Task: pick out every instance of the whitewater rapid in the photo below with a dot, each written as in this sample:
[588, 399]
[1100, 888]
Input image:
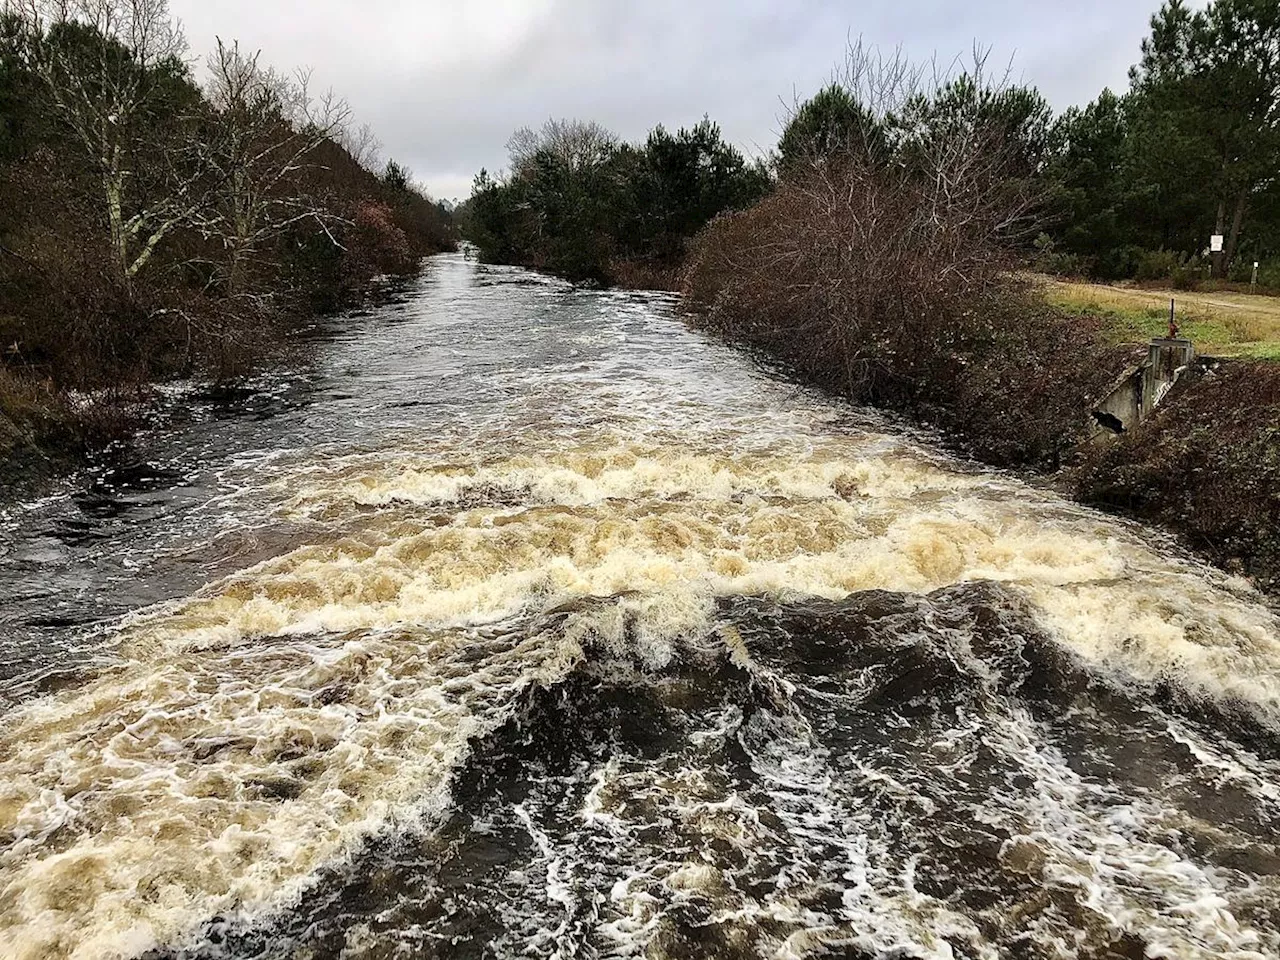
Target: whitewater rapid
[538, 625]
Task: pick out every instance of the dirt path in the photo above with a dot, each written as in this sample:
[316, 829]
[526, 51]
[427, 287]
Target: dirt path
[1266, 306]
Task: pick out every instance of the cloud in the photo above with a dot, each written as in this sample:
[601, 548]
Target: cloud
[445, 82]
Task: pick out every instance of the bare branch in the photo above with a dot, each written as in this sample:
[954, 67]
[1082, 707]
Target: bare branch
[576, 143]
[363, 145]
[269, 127]
[104, 64]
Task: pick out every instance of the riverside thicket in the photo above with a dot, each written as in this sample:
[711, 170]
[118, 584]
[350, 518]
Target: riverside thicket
[157, 219]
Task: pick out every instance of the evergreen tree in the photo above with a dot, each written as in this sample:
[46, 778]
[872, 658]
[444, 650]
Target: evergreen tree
[833, 121]
[1209, 89]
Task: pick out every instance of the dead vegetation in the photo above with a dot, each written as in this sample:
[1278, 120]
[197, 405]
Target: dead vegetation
[882, 267]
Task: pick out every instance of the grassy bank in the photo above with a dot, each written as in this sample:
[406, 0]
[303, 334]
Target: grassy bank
[1222, 324]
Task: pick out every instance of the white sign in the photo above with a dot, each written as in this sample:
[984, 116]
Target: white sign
[1215, 243]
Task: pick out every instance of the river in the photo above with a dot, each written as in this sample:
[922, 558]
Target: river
[520, 620]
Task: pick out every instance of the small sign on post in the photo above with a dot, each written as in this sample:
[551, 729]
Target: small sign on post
[1216, 243]
[1254, 282]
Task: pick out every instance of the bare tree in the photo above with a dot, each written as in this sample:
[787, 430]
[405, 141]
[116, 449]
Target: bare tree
[576, 143]
[363, 145]
[106, 64]
[269, 126]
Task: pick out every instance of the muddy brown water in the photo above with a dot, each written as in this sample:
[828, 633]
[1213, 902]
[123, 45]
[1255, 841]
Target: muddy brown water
[525, 622]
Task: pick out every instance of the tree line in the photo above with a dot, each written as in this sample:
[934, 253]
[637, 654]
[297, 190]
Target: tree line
[1143, 178]
[579, 202]
[159, 216]
[1132, 185]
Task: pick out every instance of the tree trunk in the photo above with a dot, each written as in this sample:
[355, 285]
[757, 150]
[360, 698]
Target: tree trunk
[1233, 239]
[236, 267]
[241, 206]
[1220, 226]
[114, 187]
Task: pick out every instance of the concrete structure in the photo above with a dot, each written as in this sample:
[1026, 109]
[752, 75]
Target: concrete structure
[1141, 388]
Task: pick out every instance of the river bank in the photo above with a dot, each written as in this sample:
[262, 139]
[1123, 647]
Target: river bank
[39, 433]
[118, 277]
[516, 592]
[1205, 466]
[64, 396]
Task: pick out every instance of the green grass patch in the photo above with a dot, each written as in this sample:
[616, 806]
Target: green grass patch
[1260, 351]
[1140, 323]
[1213, 336]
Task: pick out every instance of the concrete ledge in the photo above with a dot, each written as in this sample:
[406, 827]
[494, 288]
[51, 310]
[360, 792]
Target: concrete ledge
[1141, 388]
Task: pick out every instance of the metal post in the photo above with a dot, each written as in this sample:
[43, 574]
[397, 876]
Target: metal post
[1253, 284]
[1173, 320]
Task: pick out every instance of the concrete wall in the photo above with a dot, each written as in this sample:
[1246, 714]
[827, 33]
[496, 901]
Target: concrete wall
[1140, 390]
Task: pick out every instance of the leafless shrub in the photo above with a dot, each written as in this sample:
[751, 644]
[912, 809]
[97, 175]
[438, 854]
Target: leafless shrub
[859, 273]
[863, 264]
[637, 274]
[576, 143]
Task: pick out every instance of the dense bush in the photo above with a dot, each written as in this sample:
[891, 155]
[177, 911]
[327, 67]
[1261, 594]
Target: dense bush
[1167, 267]
[1047, 258]
[1268, 274]
[1159, 264]
[1187, 277]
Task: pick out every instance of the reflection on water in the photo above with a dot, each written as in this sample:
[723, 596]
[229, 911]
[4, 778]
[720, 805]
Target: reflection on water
[525, 622]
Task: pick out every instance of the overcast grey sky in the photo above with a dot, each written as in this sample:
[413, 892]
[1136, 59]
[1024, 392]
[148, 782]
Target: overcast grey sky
[445, 82]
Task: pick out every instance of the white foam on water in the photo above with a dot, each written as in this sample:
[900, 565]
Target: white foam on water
[1068, 835]
[684, 528]
[263, 728]
[192, 785]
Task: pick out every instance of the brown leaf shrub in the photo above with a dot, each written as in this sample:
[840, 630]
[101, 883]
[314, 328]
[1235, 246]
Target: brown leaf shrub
[377, 242]
[635, 274]
[867, 271]
[895, 289]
